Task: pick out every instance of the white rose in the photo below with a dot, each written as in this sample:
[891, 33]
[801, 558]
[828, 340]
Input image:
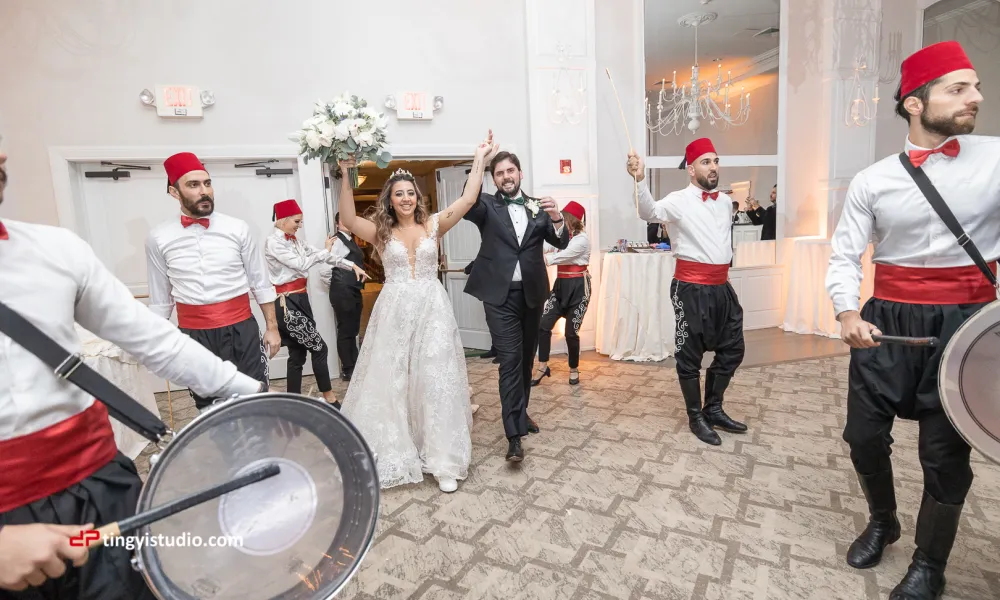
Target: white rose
[325, 129]
[366, 138]
[341, 131]
[326, 140]
[342, 109]
[354, 125]
[312, 138]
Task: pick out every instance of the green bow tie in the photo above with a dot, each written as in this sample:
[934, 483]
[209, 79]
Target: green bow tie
[519, 200]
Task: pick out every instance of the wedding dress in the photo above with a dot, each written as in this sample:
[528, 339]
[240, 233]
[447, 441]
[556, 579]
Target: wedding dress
[409, 395]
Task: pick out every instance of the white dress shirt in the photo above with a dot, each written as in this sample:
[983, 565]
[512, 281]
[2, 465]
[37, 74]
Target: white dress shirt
[886, 207]
[53, 278]
[576, 253]
[198, 266]
[700, 230]
[288, 260]
[519, 217]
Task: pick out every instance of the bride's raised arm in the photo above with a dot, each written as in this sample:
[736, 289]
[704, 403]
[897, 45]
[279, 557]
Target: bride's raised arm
[450, 216]
[359, 226]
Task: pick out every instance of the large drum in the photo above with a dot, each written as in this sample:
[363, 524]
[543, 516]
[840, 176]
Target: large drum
[299, 535]
[969, 381]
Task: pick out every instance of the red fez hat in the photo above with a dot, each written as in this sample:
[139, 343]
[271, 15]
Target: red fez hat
[575, 209]
[927, 64]
[179, 165]
[697, 148]
[286, 208]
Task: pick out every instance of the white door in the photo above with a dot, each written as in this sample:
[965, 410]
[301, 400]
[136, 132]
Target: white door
[117, 216]
[460, 246]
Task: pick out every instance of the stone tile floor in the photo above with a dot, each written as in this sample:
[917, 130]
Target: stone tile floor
[617, 500]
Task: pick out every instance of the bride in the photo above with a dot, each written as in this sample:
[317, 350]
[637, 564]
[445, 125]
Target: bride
[409, 395]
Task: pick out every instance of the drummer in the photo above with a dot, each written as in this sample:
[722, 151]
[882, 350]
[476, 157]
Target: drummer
[58, 458]
[207, 263]
[288, 261]
[925, 285]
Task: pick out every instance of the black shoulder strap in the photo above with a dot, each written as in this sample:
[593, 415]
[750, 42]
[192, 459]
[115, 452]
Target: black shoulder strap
[937, 202]
[72, 368]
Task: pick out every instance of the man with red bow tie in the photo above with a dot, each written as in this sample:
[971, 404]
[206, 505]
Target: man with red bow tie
[925, 285]
[707, 312]
[206, 263]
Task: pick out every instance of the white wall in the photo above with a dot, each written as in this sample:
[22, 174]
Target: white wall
[890, 130]
[619, 33]
[73, 69]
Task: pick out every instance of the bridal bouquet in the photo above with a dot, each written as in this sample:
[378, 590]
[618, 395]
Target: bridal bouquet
[343, 128]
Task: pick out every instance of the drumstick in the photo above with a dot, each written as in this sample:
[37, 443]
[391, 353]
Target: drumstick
[170, 405]
[173, 507]
[631, 148]
[908, 341]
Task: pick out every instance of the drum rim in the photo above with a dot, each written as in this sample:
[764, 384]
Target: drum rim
[323, 405]
[952, 354]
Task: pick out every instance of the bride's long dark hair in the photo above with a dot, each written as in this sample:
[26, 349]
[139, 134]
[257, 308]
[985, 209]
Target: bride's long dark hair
[384, 215]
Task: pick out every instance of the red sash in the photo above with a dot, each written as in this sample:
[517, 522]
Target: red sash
[701, 273]
[214, 316]
[295, 286]
[571, 271]
[49, 461]
[920, 285]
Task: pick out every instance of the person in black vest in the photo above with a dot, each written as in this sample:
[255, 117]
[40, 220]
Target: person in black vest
[766, 217]
[510, 277]
[345, 298]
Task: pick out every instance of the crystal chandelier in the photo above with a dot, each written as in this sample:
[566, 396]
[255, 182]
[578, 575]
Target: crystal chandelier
[688, 106]
[859, 111]
[563, 106]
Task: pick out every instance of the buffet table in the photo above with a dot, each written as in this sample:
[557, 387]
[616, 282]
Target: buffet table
[122, 370]
[635, 318]
[808, 309]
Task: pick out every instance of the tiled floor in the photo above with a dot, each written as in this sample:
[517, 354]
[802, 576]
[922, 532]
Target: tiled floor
[617, 500]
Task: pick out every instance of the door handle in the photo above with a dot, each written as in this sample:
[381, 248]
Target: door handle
[453, 270]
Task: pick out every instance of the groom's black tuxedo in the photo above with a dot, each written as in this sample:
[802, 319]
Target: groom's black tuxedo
[494, 266]
[513, 309]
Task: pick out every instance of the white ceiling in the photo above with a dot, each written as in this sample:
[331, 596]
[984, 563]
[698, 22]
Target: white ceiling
[729, 37]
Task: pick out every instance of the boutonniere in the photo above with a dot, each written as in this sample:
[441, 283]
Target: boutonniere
[533, 206]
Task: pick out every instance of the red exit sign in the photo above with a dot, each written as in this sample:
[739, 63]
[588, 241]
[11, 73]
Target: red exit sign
[178, 101]
[413, 106]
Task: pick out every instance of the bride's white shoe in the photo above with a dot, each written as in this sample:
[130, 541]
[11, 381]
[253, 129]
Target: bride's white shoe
[447, 485]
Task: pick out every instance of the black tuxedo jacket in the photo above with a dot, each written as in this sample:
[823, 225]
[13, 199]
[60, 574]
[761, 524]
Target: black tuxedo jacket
[499, 252]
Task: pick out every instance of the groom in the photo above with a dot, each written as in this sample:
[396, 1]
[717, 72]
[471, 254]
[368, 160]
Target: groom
[510, 278]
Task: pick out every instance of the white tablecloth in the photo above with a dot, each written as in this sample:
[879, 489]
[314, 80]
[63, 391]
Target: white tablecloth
[122, 370]
[635, 318]
[754, 254]
[809, 309]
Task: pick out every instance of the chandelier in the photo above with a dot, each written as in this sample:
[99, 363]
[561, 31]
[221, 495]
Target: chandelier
[699, 100]
[567, 107]
[860, 109]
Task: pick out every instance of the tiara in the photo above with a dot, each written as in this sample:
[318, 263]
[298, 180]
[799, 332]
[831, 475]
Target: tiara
[402, 173]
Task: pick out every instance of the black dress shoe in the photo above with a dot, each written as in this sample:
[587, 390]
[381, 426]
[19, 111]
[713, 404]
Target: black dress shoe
[937, 526]
[496, 360]
[345, 377]
[539, 375]
[532, 426]
[703, 431]
[883, 525]
[515, 453]
[491, 354]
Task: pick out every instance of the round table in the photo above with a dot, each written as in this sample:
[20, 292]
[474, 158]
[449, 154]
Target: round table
[635, 318]
[125, 372]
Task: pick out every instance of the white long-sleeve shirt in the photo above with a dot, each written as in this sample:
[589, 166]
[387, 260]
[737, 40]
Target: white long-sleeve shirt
[576, 253]
[886, 207]
[52, 278]
[700, 230]
[291, 259]
[198, 266]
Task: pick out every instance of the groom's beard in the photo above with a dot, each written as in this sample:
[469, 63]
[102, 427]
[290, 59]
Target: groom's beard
[514, 186]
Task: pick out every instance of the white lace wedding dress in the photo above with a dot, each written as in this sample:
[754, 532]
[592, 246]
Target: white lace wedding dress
[409, 394]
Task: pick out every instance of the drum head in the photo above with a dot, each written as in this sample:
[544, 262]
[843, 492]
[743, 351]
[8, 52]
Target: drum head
[298, 535]
[969, 381]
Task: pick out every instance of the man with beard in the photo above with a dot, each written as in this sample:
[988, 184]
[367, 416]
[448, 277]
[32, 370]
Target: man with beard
[707, 312]
[925, 285]
[59, 464]
[207, 263]
[766, 217]
[510, 277]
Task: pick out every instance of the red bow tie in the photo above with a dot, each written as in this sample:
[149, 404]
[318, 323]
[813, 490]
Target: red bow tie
[950, 148]
[706, 195]
[3, 232]
[187, 221]
[289, 236]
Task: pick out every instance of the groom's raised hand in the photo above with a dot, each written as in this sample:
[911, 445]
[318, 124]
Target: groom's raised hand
[549, 205]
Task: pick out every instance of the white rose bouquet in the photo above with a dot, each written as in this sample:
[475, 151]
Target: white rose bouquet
[343, 128]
